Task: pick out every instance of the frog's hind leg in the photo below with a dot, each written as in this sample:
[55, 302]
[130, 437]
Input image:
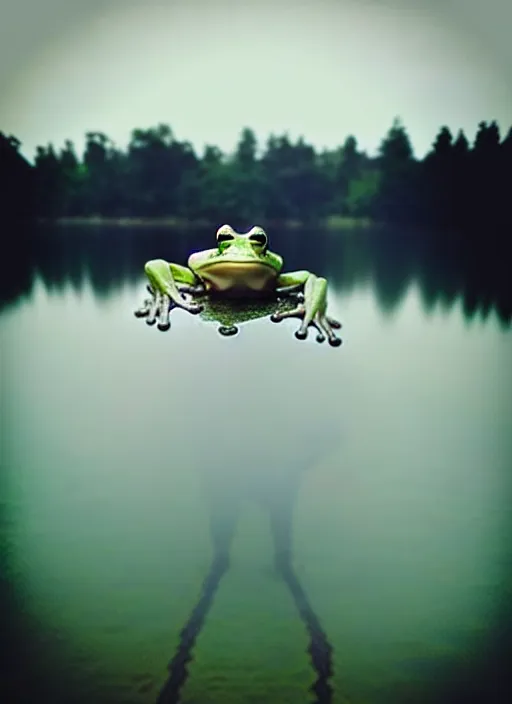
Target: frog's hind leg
[165, 277]
[313, 310]
[168, 283]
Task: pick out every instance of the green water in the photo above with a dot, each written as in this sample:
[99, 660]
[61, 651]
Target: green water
[387, 463]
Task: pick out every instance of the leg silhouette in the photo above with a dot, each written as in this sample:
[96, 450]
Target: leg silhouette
[279, 500]
[223, 516]
[280, 505]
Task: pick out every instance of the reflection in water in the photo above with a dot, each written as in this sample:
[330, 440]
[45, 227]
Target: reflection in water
[278, 500]
[17, 268]
[445, 271]
[390, 260]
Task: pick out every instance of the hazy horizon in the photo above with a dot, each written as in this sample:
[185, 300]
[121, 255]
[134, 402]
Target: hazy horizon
[211, 67]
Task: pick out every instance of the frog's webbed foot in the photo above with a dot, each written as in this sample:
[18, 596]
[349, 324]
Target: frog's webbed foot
[159, 306]
[323, 324]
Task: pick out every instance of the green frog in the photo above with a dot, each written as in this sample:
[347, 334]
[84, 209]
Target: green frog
[243, 269]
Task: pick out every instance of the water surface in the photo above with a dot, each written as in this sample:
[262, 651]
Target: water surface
[348, 508]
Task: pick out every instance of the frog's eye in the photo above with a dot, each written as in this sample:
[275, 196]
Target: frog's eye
[225, 234]
[259, 237]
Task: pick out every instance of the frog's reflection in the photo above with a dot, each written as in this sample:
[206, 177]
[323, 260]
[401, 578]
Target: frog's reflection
[278, 499]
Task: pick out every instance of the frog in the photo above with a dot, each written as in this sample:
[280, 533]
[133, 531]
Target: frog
[241, 268]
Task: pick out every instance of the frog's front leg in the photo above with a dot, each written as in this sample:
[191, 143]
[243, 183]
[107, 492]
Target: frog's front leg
[314, 309]
[167, 282]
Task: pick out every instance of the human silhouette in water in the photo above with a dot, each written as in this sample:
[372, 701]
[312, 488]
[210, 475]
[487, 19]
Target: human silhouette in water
[278, 499]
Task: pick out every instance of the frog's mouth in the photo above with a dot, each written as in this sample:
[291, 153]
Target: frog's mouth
[245, 274]
[235, 261]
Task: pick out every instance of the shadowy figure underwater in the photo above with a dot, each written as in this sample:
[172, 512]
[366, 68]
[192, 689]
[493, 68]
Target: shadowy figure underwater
[275, 487]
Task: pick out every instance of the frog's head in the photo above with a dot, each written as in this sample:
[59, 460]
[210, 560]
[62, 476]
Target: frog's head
[239, 261]
[251, 244]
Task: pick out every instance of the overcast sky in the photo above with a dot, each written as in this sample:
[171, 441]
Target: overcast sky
[319, 68]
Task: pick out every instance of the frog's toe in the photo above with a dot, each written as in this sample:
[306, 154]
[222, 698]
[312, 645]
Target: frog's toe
[164, 322]
[189, 305]
[143, 310]
[325, 328]
[333, 323]
[321, 330]
[334, 340]
[164, 309]
[279, 315]
[228, 330]
[156, 308]
[195, 308]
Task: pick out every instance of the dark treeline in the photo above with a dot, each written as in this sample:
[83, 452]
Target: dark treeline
[17, 179]
[457, 185]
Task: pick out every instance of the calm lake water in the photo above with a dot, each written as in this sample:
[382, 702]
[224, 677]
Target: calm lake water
[155, 484]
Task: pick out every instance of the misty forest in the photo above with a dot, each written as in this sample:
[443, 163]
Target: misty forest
[460, 185]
